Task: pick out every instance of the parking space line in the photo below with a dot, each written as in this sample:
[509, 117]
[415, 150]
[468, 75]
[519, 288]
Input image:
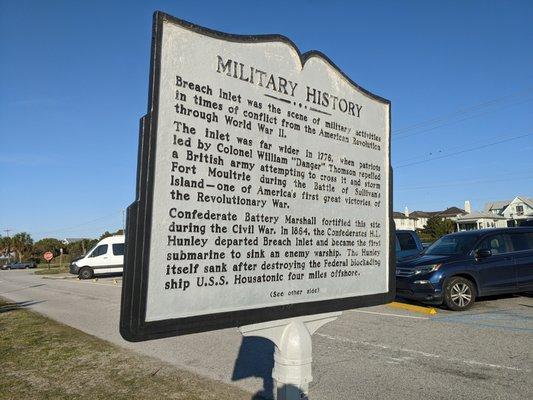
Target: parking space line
[413, 308]
[98, 283]
[419, 353]
[388, 314]
[499, 319]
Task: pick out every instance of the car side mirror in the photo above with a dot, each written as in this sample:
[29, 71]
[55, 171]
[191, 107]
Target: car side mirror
[483, 253]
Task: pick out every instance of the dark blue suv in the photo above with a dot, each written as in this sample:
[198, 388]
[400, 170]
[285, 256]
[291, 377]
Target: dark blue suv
[461, 266]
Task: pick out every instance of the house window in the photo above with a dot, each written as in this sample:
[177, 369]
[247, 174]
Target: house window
[520, 210]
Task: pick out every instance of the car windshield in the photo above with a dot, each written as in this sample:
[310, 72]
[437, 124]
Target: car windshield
[451, 244]
[90, 251]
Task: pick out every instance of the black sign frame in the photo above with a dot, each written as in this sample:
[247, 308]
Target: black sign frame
[133, 324]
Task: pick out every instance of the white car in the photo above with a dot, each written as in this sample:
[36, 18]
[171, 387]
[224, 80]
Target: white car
[106, 257]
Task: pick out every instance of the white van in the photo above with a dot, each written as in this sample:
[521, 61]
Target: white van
[107, 257]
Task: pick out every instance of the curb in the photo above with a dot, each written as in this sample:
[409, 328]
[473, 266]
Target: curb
[413, 308]
[57, 277]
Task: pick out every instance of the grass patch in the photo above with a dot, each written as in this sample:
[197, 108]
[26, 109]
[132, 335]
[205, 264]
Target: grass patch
[54, 269]
[43, 359]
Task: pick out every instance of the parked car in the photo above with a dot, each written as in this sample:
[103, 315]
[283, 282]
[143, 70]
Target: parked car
[19, 265]
[462, 266]
[408, 245]
[527, 222]
[106, 257]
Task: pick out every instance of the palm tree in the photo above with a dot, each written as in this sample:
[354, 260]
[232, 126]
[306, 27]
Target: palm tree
[5, 246]
[22, 243]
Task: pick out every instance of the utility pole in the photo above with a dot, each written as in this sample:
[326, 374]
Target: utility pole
[7, 230]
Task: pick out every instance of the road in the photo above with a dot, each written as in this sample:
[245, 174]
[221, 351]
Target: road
[371, 353]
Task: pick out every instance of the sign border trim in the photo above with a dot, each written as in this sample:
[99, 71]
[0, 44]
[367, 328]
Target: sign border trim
[133, 325]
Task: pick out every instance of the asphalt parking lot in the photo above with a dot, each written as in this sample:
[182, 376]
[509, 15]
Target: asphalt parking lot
[376, 352]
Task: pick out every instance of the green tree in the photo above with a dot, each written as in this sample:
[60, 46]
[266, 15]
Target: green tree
[437, 227]
[108, 234]
[22, 244]
[80, 248]
[104, 235]
[5, 245]
[47, 244]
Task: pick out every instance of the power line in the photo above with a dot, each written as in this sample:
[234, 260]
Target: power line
[462, 111]
[459, 183]
[432, 154]
[71, 228]
[457, 121]
[91, 228]
[483, 104]
[464, 151]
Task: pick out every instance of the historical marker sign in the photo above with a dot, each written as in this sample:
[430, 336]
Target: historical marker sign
[263, 189]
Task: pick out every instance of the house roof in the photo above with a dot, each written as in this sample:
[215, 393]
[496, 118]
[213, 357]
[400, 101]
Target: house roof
[399, 215]
[527, 200]
[74, 240]
[496, 205]
[479, 215]
[504, 203]
[451, 211]
[422, 214]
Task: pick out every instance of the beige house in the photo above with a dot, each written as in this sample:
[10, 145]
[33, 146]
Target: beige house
[517, 210]
[418, 219]
[498, 214]
[404, 222]
[480, 220]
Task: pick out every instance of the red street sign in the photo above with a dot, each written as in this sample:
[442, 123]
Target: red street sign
[48, 256]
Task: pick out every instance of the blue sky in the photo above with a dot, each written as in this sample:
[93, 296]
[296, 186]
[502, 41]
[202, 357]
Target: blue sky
[74, 83]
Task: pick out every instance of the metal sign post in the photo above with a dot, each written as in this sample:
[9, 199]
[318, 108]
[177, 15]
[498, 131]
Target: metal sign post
[293, 354]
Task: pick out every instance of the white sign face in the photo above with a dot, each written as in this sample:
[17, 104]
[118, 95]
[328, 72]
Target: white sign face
[271, 180]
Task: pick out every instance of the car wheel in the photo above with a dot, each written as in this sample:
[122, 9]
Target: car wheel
[85, 273]
[459, 294]
[27, 267]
